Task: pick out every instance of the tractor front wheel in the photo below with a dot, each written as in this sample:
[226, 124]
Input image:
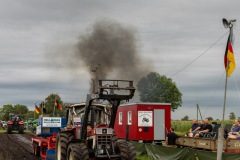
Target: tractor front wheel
[9, 129]
[77, 151]
[61, 145]
[126, 150]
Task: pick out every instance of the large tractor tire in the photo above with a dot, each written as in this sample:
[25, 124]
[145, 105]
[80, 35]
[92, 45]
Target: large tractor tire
[21, 129]
[9, 129]
[77, 151]
[36, 149]
[126, 150]
[61, 145]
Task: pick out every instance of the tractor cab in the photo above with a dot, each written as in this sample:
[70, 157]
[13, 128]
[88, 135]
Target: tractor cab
[74, 115]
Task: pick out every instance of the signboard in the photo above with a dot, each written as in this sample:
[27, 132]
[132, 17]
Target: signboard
[145, 118]
[77, 121]
[51, 122]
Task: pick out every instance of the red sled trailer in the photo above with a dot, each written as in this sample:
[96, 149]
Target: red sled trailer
[146, 122]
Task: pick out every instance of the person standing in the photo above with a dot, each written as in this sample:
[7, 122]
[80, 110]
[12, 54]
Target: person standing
[34, 127]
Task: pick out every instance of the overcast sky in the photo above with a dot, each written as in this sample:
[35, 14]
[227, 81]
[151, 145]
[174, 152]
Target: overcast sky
[170, 35]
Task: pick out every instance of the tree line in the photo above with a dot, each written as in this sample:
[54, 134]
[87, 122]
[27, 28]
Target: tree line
[23, 110]
[151, 88]
[232, 116]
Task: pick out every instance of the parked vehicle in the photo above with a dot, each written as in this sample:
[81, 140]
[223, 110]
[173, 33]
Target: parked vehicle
[4, 124]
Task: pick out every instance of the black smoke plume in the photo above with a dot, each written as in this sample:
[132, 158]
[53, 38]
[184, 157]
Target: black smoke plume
[111, 48]
[107, 48]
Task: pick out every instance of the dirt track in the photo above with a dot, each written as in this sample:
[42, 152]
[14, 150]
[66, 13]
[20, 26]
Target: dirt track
[16, 147]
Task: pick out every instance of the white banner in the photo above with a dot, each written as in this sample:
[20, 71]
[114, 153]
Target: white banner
[145, 118]
[51, 122]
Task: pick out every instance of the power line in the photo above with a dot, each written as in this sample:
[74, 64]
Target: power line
[198, 56]
[210, 99]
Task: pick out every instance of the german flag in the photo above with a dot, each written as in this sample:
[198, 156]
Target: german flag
[37, 110]
[57, 104]
[229, 60]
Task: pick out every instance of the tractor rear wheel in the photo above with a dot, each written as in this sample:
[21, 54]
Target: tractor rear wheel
[126, 150]
[20, 129]
[77, 151]
[9, 129]
[61, 145]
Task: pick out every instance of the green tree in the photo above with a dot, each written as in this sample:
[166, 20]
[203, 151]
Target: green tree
[29, 114]
[49, 104]
[210, 118]
[232, 115]
[6, 110]
[20, 109]
[185, 118]
[157, 88]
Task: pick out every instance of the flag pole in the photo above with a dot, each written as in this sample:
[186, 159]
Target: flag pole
[221, 129]
[227, 24]
[54, 106]
[42, 108]
[34, 111]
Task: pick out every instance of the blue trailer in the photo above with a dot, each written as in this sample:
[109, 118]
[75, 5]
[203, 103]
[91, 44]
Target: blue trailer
[46, 131]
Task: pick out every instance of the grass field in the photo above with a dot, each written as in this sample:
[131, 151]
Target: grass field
[3, 130]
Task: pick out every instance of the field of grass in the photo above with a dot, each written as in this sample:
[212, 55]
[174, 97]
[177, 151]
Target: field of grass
[3, 130]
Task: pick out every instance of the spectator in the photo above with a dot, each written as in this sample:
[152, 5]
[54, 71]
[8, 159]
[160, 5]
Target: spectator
[234, 130]
[193, 130]
[171, 137]
[207, 127]
[34, 127]
[235, 136]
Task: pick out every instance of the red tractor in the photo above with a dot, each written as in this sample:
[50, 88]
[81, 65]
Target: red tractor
[15, 123]
[90, 127]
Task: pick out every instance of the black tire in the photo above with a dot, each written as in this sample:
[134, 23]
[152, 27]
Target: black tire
[77, 151]
[21, 129]
[126, 150]
[61, 145]
[36, 149]
[9, 129]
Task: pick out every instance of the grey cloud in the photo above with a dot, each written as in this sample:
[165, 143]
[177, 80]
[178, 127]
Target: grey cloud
[170, 35]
